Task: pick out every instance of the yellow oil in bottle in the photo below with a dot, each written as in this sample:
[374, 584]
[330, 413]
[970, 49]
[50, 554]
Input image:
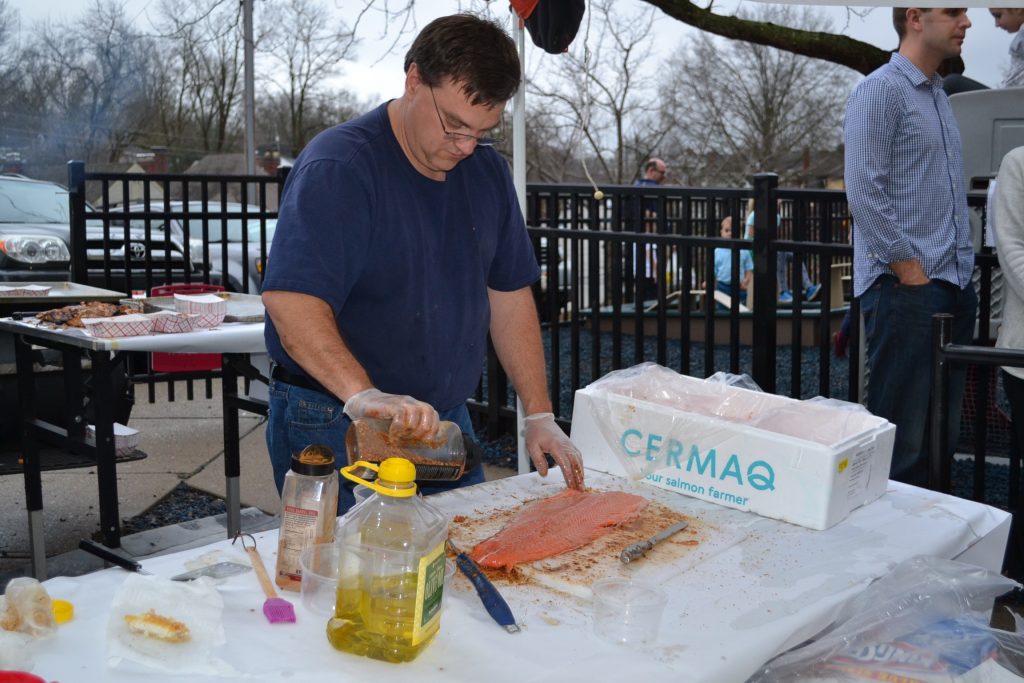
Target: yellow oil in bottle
[391, 574]
[379, 623]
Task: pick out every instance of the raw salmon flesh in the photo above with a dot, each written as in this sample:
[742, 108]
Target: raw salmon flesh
[563, 522]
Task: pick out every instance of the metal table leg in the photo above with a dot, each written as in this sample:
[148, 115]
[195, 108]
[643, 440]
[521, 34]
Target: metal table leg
[30, 456]
[234, 365]
[106, 465]
[232, 469]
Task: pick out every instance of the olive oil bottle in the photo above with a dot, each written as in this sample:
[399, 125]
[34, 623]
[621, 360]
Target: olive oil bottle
[391, 577]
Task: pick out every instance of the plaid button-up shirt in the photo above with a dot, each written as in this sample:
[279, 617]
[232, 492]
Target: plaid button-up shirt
[905, 177]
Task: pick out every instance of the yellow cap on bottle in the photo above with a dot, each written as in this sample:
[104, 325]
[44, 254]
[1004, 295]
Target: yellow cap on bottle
[397, 470]
[63, 611]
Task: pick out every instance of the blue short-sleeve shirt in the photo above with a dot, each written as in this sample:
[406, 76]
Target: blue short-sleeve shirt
[403, 261]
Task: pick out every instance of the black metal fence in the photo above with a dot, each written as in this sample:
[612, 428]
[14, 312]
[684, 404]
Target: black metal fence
[627, 277]
[945, 356]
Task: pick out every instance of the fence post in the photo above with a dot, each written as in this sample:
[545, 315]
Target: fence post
[765, 296]
[938, 430]
[76, 205]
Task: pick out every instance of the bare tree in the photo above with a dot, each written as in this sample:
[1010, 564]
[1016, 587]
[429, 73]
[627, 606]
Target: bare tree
[752, 108]
[323, 110]
[91, 78]
[832, 47]
[209, 49]
[309, 45]
[603, 90]
[9, 74]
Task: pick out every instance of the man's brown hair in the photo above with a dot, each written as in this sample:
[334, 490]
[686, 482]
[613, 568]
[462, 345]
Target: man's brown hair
[475, 53]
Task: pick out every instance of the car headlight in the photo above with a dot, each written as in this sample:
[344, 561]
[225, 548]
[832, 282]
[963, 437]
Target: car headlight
[35, 248]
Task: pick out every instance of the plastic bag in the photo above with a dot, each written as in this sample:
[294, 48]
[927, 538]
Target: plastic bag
[743, 381]
[728, 400]
[926, 621]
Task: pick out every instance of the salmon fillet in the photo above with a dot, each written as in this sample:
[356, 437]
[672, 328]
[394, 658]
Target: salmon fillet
[563, 522]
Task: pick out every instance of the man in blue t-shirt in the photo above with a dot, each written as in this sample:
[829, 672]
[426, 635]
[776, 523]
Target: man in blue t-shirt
[400, 245]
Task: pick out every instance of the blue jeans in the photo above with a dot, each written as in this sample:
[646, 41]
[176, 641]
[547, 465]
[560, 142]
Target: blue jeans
[782, 261]
[726, 288]
[898, 330]
[299, 417]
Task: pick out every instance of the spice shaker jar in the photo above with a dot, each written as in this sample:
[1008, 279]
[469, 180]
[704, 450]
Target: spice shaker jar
[309, 507]
[442, 457]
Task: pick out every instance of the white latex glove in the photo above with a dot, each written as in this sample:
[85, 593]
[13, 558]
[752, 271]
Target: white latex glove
[409, 418]
[542, 436]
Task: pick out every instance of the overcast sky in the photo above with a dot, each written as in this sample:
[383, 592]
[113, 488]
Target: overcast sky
[377, 75]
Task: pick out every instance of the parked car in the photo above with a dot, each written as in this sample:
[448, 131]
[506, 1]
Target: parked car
[239, 252]
[224, 232]
[35, 238]
[35, 242]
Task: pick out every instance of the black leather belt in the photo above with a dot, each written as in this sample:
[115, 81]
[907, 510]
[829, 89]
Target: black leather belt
[282, 375]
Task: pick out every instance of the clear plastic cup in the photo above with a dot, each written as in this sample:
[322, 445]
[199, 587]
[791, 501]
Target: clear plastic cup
[319, 588]
[627, 611]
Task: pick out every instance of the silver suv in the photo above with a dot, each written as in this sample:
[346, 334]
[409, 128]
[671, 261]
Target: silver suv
[35, 239]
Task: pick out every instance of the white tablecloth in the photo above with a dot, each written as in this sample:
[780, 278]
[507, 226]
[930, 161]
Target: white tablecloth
[778, 586]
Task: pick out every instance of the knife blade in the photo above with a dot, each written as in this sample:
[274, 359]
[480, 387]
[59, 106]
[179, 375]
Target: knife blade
[105, 553]
[636, 550]
[489, 595]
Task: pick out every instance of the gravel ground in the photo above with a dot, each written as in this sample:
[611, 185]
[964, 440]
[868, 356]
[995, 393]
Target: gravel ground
[186, 503]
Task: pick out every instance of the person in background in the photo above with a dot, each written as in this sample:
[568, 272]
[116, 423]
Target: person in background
[723, 265]
[655, 173]
[913, 252]
[810, 289]
[400, 246]
[1010, 19]
[1009, 229]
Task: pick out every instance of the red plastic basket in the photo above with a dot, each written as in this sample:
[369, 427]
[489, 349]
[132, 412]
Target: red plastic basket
[184, 362]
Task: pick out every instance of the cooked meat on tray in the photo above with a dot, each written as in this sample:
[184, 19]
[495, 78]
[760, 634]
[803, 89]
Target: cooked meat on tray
[72, 315]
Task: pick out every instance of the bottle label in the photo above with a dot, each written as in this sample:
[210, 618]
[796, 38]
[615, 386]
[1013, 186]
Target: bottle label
[429, 589]
[298, 530]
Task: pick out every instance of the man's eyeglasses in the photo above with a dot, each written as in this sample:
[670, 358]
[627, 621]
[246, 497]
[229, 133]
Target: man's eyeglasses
[486, 141]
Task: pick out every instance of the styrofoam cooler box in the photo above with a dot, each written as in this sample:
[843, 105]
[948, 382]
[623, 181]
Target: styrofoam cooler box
[803, 462]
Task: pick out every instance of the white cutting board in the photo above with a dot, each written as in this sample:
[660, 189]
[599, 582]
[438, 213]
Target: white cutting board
[480, 511]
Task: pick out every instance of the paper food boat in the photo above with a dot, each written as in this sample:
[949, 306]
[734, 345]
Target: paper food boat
[133, 325]
[210, 308]
[126, 439]
[24, 290]
[171, 323]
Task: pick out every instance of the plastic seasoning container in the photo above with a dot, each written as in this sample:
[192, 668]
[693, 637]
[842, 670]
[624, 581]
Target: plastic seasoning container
[442, 457]
[309, 507]
[391, 568]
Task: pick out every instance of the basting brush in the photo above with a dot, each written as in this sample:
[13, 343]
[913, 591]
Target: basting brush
[277, 609]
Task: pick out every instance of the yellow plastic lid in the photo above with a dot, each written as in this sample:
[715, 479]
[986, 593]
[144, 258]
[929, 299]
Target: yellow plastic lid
[63, 611]
[397, 470]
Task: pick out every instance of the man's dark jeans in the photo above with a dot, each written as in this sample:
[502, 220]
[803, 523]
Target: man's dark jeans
[898, 328]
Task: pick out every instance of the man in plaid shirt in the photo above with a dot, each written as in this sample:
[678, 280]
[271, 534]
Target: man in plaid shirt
[913, 252]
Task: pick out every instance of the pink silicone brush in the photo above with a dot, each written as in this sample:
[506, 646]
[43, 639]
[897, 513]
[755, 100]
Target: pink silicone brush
[277, 610]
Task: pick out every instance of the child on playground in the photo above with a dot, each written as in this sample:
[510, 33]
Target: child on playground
[723, 264]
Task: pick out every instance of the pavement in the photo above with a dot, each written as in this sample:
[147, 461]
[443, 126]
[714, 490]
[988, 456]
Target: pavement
[184, 442]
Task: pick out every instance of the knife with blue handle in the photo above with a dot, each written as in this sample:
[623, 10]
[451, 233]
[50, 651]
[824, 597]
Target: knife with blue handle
[489, 595]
